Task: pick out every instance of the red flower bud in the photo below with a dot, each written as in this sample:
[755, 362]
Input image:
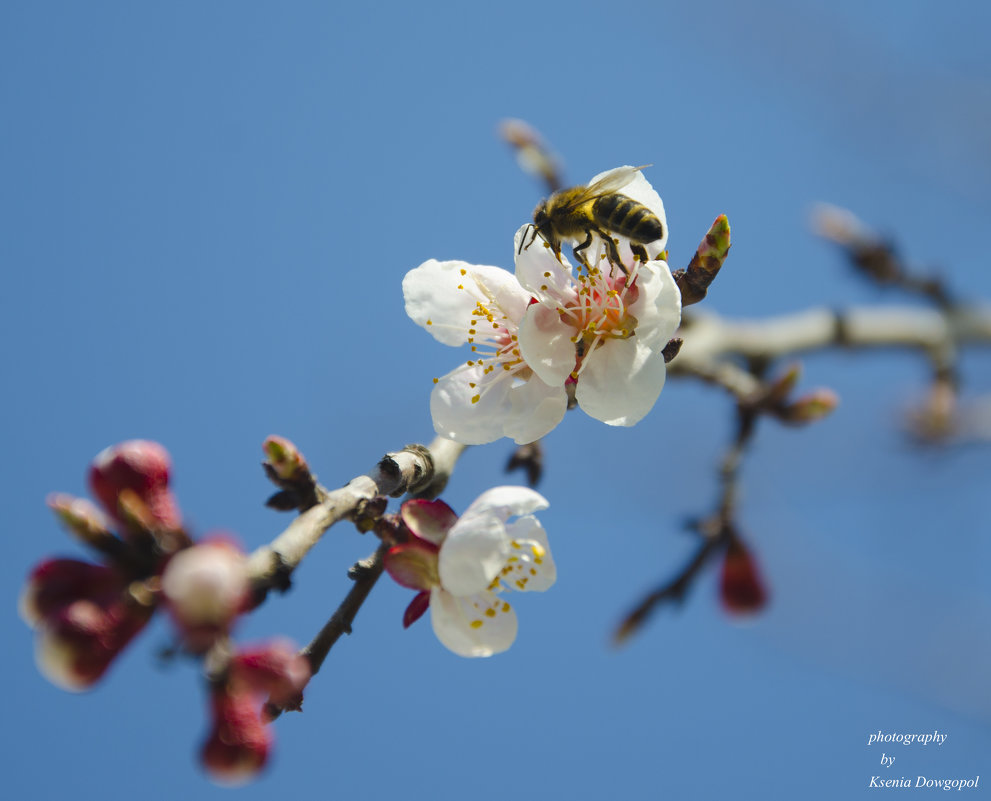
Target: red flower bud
[276, 670]
[57, 583]
[237, 746]
[76, 645]
[139, 466]
[741, 587]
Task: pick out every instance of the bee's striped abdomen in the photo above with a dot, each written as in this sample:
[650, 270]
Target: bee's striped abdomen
[627, 218]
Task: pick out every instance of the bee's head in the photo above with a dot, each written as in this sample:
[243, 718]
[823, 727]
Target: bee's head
[541, 224]
[540, 217]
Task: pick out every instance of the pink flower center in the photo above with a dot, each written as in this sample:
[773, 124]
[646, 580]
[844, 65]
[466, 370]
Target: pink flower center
[600, 311]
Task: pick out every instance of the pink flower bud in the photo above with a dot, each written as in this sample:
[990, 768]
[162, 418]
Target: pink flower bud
[237, 746]
[57, 583]
[284, 457]
[741, 587]
[83, 520]
[277, 670]
[142, 467]
[75, 646]
[206, 586]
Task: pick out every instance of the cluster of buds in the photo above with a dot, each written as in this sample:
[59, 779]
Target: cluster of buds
[239, 741]
[86, 613]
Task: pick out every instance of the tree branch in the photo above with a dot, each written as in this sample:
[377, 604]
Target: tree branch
[415, 470]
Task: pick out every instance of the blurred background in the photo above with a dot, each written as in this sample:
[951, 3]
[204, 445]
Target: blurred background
[207, 212]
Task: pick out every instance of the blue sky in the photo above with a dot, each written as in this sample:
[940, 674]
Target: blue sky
[208, 210]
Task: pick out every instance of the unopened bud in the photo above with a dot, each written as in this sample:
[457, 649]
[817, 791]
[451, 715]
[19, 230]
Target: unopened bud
[782, 386]
[531, 153]
[205, 587]
[238, 744]
[284, 458]
[741, 588]
[693, 282]
[84, 520]
[57, 583]
[76, 646]
[840, 225]
[277, 670]
[142, 467]
[812, 407]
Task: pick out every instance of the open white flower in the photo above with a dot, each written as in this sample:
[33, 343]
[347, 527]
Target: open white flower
[495, 393]
[548, 332]
[603, 329]
[462, 565]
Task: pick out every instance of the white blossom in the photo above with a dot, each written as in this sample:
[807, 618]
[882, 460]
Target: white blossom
[494, 393]
[602, 329]
[462, 566]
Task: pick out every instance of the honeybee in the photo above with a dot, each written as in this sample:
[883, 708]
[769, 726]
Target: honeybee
[598, 209]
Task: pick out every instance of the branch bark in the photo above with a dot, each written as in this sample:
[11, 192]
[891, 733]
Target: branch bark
[415, 469]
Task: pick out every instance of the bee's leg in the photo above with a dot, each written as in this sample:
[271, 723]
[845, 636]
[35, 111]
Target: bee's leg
[579, 250]
[640, 252]
[613, 251]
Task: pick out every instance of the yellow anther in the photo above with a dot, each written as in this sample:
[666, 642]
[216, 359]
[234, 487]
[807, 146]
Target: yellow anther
[464, 271]
[505, 607]
[436, 380]
[476, 624]
[430, 322]
[490, 612]
[476, 398]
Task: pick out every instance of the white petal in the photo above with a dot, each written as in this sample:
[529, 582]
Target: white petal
[207, 583]
[502, 288]
[457, 418]
[546, 345]
[475, 550]
[538, 269]
[505, 502]
[481, 625]
[621, 381]
[658, 305]
[56, 660]
[536, 410]
[533, 567]
[441, 296]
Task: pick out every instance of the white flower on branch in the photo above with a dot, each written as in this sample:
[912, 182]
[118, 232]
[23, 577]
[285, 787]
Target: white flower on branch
[495, 393]
[548, 332]
[602, 329]
[461, 566]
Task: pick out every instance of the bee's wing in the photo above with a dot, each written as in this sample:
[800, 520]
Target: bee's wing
[612, 181]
